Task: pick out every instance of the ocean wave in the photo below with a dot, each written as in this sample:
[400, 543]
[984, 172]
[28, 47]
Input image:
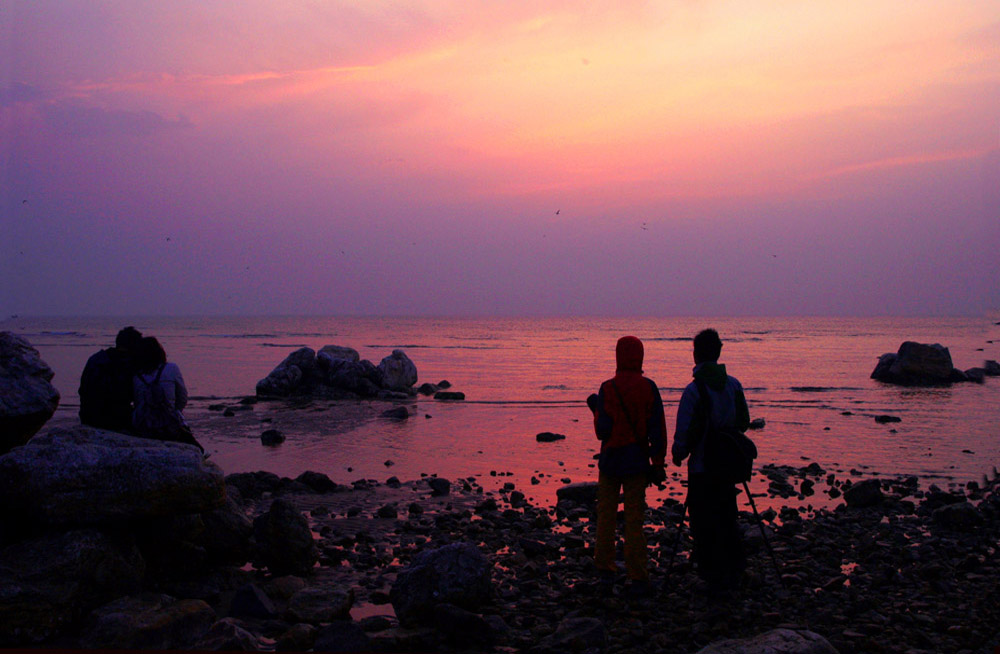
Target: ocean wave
[435, 347]
[283, 345]
[241, 336]
[57, 333]
[555, 387]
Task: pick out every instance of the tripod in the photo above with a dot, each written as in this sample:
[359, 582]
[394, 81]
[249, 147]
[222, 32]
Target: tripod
[760, 524]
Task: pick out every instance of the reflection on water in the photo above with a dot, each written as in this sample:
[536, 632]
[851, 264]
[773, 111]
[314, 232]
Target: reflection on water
[807, 377]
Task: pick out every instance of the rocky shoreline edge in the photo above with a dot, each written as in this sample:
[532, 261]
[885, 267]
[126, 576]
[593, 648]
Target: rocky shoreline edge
[253, 561]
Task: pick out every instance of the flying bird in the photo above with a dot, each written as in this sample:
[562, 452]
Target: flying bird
[24, 202]
[557, 210]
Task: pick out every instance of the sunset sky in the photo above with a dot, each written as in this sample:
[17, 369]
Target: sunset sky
[470, 157]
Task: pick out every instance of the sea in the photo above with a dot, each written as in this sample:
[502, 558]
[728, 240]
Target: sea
[807, 377]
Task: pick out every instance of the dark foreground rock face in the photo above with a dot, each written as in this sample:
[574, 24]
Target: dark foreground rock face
[917, 364]
[52, 581]
[284, 541]
[456, 574]
[27, 399]
[84, 475]
[777, 641]
[148, 621]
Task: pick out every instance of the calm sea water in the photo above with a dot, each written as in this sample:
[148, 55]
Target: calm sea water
[807, 377]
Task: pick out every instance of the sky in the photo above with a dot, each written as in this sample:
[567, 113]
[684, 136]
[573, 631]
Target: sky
[472, 157]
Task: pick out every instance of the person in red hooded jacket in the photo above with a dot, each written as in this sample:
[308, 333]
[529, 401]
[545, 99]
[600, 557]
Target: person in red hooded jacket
[629, 421]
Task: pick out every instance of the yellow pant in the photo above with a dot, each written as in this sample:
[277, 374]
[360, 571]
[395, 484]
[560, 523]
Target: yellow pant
[608, 488]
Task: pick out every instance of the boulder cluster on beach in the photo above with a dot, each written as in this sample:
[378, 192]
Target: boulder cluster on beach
[27, 397]
[157, 549]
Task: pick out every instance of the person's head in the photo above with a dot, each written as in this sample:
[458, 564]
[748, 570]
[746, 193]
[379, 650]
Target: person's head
[628, 354]
[128, 339]
[707, 346]
[150, 355]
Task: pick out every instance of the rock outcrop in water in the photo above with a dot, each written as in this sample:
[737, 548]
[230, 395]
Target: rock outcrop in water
[918, 364]
[338, 372]
[27, 399]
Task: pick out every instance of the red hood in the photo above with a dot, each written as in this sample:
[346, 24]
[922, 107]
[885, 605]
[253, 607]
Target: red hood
[629, 354]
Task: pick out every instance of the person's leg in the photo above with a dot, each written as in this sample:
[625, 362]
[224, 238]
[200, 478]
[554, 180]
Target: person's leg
[607, 514]
[700, 511]
[635, 539]
[735, 556]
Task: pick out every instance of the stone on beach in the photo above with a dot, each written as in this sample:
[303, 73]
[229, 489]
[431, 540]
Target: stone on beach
[864, 493]
[149, 621]
[83, 475]
[398, 372]
[51, 581]
[549, 437]
[284, 540]
[272, 437]
[27, 399]
[456, 574]
[584, 492]
[316, 605]
[776, 641]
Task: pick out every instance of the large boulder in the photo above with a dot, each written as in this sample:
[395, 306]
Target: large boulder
[776, 641]
[398, 372]
[330, 353]
[583, 492]
[85, 476]
[864, 493]
[50, 582]
[148, 621]
[316, 605]
[284, 541]
[917, 364]
[360, 377]
[456, 574]
[292, 376]
[27, 399]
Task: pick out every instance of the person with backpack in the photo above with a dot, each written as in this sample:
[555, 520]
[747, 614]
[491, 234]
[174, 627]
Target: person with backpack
[160, 396]
[712, 408]
[629, 421]
[106, 384]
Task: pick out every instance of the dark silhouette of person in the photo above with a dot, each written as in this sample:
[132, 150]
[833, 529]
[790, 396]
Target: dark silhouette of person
[106, 384]
[718, 541]
[160, 396]
[629, 420]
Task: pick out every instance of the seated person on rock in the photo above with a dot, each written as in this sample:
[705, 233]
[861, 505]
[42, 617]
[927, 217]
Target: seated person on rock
[106, 384]
[160, 395]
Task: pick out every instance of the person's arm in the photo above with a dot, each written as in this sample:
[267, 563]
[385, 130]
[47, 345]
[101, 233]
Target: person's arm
[742, 410]
[656, 429]
[685, 417]
[180, 391]
[603, 423]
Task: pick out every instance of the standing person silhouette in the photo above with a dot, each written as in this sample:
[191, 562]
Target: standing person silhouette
[718, 542]
[629, 420]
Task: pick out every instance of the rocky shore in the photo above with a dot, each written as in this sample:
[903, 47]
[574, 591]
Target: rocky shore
[253, 561]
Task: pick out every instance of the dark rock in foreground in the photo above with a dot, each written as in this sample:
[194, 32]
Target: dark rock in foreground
[456, 574]
[27, 399]
[284, 541]
[85, 476]
[864, 493]
[777, 641]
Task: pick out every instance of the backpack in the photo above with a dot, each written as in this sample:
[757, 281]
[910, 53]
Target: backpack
[158, 418]
[729, 453]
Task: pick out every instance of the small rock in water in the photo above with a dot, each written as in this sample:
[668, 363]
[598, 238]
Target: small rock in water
[389, 463]
[272, 437]
[439, 486]
[444, 383]
[883, 419]
[449, 395]
[757, 423]
[549, 437]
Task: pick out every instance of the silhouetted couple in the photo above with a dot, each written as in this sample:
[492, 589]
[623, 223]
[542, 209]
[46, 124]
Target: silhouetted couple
[629, 419]
[132, 389]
